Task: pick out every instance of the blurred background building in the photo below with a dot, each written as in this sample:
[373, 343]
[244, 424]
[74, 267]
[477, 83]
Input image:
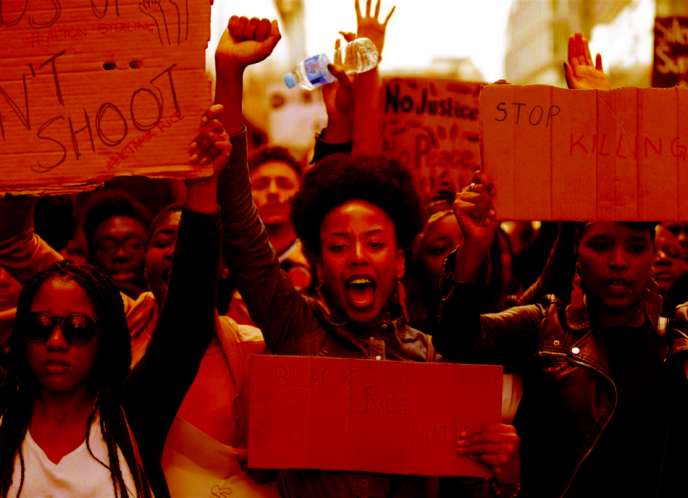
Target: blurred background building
[522, 41]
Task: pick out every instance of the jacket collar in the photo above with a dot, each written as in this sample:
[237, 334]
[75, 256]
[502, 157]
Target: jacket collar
[589, 342]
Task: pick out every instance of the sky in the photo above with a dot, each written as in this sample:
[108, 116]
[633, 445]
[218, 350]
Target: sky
[419, 30]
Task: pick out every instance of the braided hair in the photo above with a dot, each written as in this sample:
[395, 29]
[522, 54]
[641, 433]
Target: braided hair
[111, 368]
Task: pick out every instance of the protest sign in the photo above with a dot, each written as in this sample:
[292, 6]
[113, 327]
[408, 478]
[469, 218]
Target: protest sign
[431, 126]
[670, 65]
[373, 416]
[99, 89]
[557, 154]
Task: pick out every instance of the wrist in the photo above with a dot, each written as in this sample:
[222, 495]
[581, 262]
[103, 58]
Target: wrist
[228, 68]
[504, 490]
[338, 131]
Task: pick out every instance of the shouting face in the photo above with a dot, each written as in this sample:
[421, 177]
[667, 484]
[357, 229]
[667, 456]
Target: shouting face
[359, 262]
[615, 260]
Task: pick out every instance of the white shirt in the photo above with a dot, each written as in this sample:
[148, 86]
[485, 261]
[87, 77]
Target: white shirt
[78, 474]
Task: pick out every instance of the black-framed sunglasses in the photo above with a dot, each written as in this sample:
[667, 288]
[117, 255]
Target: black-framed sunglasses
[77, 329]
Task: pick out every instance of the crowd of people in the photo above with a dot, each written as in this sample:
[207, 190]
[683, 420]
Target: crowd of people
[126, 344]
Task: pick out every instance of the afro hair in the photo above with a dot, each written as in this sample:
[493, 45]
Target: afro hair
[337, 179]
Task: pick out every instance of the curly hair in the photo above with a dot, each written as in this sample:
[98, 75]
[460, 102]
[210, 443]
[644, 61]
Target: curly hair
[111, 368]
[337, 179]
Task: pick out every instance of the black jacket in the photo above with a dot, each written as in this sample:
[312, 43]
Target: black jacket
[569, 395]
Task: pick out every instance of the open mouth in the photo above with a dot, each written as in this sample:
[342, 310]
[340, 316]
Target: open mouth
[166, 275]
[360, 289]
[619, 285]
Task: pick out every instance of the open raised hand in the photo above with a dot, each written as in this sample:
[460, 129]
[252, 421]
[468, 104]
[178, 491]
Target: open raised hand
[580, 72]
[370, 27]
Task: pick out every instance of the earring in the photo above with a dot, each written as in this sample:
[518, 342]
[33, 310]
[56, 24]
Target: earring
[401, 298]
[577, 292]
[651, 302]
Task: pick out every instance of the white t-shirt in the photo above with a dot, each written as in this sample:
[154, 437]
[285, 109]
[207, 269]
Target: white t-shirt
[78, 474]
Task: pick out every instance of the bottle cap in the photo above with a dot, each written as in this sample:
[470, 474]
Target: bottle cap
[290, 80]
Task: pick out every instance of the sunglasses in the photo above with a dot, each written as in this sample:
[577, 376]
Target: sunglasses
[77, 329]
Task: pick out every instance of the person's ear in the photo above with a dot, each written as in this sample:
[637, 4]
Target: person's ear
[401, 263]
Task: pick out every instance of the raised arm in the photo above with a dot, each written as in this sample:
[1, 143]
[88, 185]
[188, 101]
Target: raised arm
[580, 72]
[367, 118]
[160, 380]
[278, 310]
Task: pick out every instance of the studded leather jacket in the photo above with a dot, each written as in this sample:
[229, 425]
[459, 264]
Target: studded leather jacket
[569, 395]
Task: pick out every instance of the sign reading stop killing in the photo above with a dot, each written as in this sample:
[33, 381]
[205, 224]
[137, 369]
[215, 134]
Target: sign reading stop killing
[556, 154]
[95, 89]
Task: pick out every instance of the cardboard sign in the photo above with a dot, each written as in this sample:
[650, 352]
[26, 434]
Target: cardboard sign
[557, 154]
[670, 65]
[431, 125]
[362, 415]
[97, 89]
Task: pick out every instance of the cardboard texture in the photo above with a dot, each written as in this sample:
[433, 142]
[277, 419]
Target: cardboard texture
[670, 66]
[373, 416]
[557, 154]
[431, 126]
[89, 91]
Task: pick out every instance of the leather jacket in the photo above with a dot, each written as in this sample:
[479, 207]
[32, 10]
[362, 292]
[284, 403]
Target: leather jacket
[569, 395]
[296, 325]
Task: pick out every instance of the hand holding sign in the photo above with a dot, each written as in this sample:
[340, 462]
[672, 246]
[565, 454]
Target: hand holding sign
[581, 74]
[247, 42]
[211, 145]
[496, 445]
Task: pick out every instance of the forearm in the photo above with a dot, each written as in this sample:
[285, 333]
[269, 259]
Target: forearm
[185, 327]
[558, 272]
[470, 260]
[340, 130]
[228, 92]
[461, 334]
[367, 120]
[277, 309]
[201, 194]
[22, 252]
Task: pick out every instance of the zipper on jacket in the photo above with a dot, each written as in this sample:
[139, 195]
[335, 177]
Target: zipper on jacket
[604, 425]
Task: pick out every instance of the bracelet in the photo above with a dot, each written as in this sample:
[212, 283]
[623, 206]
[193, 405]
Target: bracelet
[498, 493]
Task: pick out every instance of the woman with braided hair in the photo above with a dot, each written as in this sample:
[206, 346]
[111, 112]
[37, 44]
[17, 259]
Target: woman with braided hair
[75, 420]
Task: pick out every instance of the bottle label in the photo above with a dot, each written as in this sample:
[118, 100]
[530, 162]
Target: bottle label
[315, 74]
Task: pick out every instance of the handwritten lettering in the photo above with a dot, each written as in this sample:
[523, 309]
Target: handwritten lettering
[448, 107]
[372, 405]
[435, 436]
[627, 147]
[535, 114]
[321, 378]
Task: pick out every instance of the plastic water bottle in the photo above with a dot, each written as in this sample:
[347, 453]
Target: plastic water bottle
[357, 56]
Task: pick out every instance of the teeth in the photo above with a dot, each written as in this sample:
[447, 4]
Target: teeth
[360, 281]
